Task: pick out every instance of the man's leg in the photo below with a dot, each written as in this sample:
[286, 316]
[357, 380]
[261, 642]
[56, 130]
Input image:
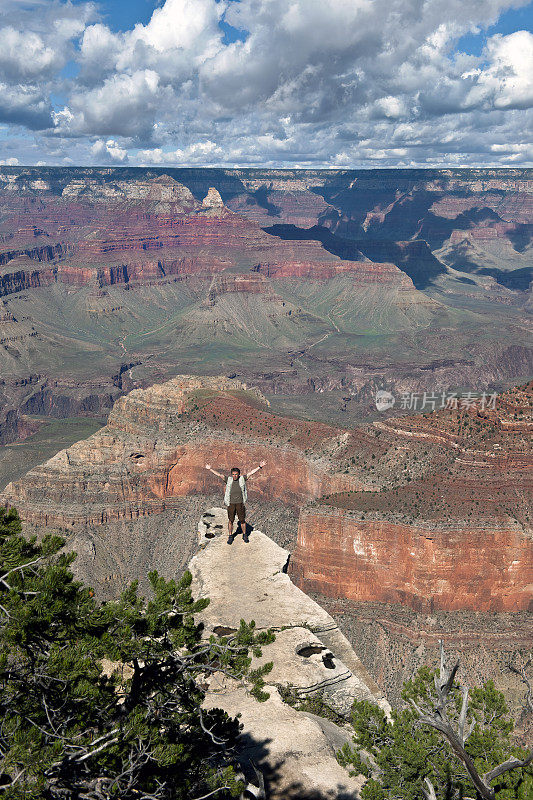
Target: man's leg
[231, 517]
[242, 520]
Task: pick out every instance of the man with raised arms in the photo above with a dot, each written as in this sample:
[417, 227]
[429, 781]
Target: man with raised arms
[235, 497]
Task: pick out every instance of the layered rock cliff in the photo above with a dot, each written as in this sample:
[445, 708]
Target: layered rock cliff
[384, 278]
[411, 529]
[431, 511]
[451, 530]
[154, 447]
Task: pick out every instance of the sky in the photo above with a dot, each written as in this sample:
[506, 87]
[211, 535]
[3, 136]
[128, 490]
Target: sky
[288, 83]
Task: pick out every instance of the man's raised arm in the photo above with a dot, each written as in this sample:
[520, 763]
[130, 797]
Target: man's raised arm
[218, 474]
[253, 471]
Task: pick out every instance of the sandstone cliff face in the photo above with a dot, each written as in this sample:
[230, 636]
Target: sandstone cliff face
[451, 530]
[423, 567]
[154, 449]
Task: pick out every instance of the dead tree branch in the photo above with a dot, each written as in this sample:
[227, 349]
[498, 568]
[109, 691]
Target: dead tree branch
[438, 719]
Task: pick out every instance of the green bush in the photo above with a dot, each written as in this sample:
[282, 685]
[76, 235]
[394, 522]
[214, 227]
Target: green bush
[398, 754]
[71, 729]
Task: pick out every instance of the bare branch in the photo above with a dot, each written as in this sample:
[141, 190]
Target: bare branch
[207, 795]
[20, 568]
[462, 717]
[511, 763]
[438, 720]
[429, 792]
[215, 739]
[521, 671]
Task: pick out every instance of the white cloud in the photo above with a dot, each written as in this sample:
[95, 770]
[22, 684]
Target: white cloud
[198, 153]
[109, 151]
[25, 105]
[181, 24]
[507, 82]
[36, 38]
[180, 36]
[9, 162]
[25, 55]
[344, 82]
[124, 105]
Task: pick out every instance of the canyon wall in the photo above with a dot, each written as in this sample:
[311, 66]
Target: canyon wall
[425, 568]
[448, 525]
[153, 452]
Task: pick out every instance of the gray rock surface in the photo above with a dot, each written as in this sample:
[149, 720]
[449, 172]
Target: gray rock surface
[294, 751]
[290, 748]
[249, 581]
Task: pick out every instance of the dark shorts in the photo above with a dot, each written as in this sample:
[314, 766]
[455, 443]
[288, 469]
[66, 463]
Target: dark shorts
[237, 508]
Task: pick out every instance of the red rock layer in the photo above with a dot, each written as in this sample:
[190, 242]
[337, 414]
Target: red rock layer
[475, 569]
[146, 240]
[154, 449]
[455, 535]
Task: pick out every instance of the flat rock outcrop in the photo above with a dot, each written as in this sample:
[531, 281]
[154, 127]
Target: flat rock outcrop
[295, 751]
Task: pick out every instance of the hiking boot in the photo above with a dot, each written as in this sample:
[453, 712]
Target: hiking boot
[231, 537]
[245, 538]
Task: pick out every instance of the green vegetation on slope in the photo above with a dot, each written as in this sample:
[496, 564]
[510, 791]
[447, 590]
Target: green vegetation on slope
[400, 755]
[53, 435]
[104, 700]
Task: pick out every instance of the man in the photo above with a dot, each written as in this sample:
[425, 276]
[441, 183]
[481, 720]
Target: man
[235, 497]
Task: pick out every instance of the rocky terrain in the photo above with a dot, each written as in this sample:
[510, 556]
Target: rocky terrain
[407, 530]
[294, 751]
[454, 522]
[317, 286]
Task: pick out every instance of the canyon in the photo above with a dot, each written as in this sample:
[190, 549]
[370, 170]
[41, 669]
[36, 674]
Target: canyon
[318, 286]
[409, 528]
[230, 316]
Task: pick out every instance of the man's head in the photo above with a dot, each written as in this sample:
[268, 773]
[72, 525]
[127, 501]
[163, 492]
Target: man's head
[235, 473]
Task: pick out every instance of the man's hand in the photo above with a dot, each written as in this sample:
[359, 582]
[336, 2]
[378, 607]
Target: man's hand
[261, 465]
[218, 474]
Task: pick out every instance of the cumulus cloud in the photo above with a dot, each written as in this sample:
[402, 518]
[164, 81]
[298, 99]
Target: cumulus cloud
[24, 55]
[36, 40]
[507, 82]
[197, 153]
[346, 82]
[124, 105]
[109, 151]
[179, 37]
[25, 105]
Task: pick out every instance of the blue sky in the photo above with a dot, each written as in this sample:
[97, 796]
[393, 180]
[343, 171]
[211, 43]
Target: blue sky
[514, 19]
[347, 83]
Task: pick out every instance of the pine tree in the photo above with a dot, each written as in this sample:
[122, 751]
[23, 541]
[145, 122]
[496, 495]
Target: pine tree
[405, 757]
[134, 729]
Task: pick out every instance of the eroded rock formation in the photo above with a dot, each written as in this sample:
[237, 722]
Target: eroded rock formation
[456, 535]
[154, 447]
[94, 262]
